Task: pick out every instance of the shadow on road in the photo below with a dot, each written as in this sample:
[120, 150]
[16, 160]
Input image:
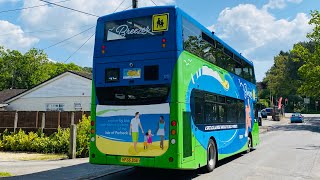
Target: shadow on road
[79, 171]
[165, 174]
[309, 125]
[309, 147]
[87, 171]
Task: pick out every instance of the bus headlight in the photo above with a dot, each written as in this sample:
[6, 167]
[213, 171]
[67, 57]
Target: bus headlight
[92, 139]
[173, 141]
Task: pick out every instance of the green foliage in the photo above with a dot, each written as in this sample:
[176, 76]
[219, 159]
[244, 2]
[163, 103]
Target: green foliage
[282, 78]
[83, 137]
[5, 174]
[315, 21]
[295, 74]
[263, 93]
[299, 107]
[264, 103]
[24, 71]
[41, 143]
[310, 70]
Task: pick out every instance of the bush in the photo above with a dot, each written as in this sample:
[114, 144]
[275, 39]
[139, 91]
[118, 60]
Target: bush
[83, 137]
[55, 143]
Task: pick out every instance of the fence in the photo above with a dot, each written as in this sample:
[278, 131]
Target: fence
[48, 121]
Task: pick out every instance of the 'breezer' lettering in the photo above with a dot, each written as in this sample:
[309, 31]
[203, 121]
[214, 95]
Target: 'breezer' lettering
[124, 30]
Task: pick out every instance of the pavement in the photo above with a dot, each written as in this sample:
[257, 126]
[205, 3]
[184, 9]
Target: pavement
[56, 169]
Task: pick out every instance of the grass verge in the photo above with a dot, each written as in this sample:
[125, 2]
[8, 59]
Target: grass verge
[44, 157]
[5, 174]
[26, 156]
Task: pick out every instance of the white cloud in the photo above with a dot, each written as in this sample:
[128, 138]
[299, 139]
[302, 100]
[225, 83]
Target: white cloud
[13, 37]
[279, 4]
[258, 34]
[51, 17]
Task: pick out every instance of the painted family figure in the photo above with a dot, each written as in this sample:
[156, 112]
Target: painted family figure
[134, 130]
[135, 124]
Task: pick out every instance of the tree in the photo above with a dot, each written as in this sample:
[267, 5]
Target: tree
[282, 78]
[310, 70]
[24, 71]
[315, 21]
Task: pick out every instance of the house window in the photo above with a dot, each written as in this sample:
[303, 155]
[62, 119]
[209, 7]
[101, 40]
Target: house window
[77, 107]
[55, 107]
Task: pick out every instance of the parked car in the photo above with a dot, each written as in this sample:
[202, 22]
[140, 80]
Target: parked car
[296, 117]
[263, 113]
[268, 111]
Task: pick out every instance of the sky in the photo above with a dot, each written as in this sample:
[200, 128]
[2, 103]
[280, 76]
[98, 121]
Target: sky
[259, 29]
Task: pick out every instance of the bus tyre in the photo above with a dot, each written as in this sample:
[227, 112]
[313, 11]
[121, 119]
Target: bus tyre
[211, 156]
[249, 144]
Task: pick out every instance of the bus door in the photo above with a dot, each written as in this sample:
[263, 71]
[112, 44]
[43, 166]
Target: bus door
[188, 153]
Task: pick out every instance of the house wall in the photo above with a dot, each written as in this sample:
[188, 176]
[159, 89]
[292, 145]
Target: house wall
[67, 89]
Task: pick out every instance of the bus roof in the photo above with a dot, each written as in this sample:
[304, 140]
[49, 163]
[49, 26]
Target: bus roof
[136, 13]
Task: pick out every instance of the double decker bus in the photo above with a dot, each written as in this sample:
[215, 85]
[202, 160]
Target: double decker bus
[168, 93]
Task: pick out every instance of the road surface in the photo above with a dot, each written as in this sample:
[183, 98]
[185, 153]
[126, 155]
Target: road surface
[287, 151]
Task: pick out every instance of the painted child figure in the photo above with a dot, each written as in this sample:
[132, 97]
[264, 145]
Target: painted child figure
[149, 137]
[145, 142]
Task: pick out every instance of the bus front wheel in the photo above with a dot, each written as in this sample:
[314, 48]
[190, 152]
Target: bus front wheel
[211, 156]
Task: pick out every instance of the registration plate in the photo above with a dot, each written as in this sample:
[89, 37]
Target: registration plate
[130, 160]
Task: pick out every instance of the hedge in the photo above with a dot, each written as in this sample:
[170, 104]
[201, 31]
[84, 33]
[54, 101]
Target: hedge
[41, 143]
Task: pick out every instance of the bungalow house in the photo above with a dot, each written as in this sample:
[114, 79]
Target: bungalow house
[69, 91]
[7, 94]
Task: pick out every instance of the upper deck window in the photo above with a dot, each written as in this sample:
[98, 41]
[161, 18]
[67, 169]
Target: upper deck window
[132, 28]
[202, 45]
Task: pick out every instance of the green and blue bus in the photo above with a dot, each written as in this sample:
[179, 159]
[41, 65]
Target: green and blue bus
[168, 93]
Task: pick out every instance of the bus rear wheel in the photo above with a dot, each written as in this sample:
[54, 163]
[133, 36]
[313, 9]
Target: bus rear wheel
[211, 156]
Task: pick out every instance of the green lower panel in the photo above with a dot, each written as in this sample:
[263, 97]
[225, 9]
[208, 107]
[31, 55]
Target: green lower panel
[201, 156]
[222, 156]
[255, 134]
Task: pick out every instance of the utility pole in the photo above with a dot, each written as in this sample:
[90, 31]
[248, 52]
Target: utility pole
[134, 4]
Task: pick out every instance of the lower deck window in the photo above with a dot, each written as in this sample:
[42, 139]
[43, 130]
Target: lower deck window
[209, 108]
